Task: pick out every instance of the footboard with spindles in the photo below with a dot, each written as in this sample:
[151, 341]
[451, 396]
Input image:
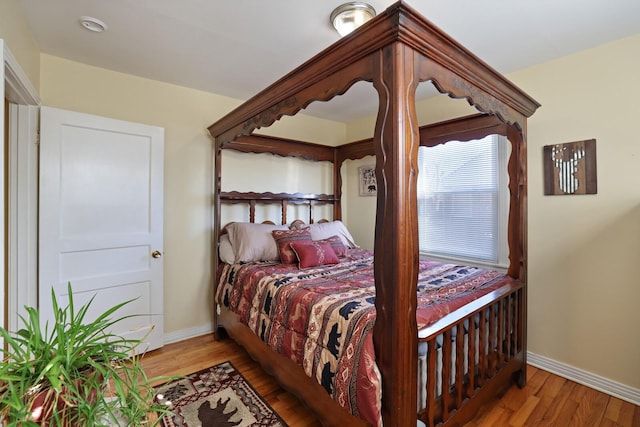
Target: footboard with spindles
[470, 352]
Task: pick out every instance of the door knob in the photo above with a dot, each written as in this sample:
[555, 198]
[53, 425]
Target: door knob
[156, 254]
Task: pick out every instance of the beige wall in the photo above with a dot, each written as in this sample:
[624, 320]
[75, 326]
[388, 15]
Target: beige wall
[583, 286]
[185, 115]
[584, 291]
[17, 36]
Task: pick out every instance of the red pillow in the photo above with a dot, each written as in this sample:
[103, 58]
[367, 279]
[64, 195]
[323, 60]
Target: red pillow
[313, 254]
[283, 239]
[336, 244]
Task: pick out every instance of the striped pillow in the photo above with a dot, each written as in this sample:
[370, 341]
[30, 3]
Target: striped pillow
[313, 254]
[283, 240]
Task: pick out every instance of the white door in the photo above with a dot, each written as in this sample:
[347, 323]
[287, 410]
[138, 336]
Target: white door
[101, 218]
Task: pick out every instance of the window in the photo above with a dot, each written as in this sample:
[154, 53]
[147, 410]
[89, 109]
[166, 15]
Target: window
[463, 200]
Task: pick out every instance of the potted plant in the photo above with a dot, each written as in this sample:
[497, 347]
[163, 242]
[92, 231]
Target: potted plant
[74, 372]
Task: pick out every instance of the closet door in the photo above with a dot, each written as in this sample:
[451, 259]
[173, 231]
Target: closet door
[101, 218]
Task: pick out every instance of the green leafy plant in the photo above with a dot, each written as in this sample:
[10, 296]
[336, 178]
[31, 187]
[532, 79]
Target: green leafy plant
[76, 374]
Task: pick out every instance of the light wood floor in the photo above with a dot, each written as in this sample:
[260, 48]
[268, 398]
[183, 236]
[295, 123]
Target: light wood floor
[547, 400]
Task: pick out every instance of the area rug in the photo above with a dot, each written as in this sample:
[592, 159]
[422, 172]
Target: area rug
[217, 396]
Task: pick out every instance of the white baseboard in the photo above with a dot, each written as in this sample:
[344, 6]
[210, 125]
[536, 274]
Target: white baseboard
[605, 385]
[185, 334]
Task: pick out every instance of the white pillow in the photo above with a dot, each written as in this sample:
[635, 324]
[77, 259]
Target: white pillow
[324, 230]
[226, 250]
[254, 242]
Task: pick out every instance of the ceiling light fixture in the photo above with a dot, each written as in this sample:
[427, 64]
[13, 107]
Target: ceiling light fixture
[349, 16]
[93, 24]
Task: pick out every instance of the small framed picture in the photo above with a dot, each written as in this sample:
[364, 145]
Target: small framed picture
[368, 184]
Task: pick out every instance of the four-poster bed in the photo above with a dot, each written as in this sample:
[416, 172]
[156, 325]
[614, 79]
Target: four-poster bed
[396, 51]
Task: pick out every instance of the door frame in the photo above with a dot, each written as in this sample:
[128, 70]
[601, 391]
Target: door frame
[21, 128]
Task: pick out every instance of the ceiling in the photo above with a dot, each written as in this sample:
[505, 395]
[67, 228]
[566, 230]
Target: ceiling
[238, 47]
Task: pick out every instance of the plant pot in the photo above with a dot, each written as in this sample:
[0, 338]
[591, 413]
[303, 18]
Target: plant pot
[48, 403]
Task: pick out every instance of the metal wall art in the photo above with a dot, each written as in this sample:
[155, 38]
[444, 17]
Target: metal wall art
[570, 168]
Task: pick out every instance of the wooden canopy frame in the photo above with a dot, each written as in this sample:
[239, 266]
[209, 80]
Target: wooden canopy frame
[395, 51]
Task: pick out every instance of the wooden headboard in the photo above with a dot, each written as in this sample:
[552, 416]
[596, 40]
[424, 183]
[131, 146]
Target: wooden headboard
[283, 199]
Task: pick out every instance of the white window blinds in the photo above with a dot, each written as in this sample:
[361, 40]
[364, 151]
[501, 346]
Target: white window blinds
[463, 200]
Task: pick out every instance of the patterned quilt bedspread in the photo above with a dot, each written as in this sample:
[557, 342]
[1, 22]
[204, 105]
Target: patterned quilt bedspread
[321, 318]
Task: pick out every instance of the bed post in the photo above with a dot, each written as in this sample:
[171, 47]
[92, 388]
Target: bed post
[518, 225]
[517, 233]
[396, 142]
[215, 221]
[337, 185]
